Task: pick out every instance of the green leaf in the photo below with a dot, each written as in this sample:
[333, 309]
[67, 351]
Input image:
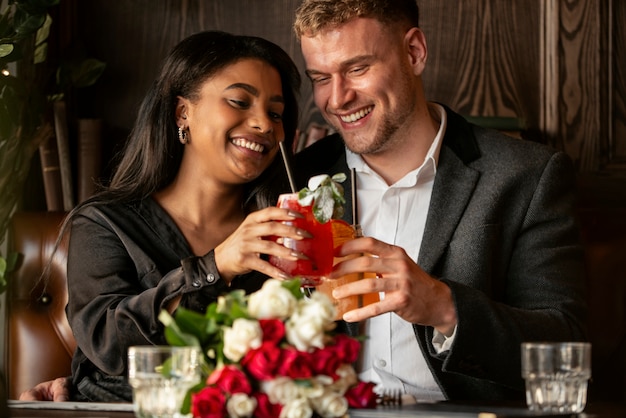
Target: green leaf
[35, 6]
[186, 406]
[324, 204]
[6, 49]
[174, 334]
[232, 306]
[25, 22]
[15, 55]
[87, 72]
[3, 271]
[11, 261]
[294, 287]
[6, 29]
[40, 54]
[326, 197]
[339, 177]
[44, 31]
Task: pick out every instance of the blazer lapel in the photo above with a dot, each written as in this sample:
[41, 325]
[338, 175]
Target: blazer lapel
[453, 188]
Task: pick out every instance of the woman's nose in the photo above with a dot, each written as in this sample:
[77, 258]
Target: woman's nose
[262, 122]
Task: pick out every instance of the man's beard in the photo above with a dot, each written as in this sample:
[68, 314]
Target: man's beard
[366, 142]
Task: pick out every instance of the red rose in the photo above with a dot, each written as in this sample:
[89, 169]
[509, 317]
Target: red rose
[326, 362]
[361, 396]
[266, 409]
[208, 403]
[295, 364]
[347, 348]
[231, 380]
[261, 363]
[273, 330]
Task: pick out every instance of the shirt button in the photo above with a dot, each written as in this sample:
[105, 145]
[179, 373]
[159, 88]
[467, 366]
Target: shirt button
[382, 363]
[195, 283]
[210, 277]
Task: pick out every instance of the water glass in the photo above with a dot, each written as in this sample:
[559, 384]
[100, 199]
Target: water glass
[160, 377]
[556, 376]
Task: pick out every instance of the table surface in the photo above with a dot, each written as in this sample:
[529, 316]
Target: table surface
[20, 409]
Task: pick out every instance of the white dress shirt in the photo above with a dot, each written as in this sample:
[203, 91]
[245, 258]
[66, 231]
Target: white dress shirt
[396, 214]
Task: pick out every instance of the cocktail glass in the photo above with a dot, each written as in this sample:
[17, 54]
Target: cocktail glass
[342, 232]
[318, 250]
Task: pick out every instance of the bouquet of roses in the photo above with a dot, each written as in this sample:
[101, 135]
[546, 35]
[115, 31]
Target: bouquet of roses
[271, 354]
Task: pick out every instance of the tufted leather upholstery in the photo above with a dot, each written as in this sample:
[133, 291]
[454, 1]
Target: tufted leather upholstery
[40, 341]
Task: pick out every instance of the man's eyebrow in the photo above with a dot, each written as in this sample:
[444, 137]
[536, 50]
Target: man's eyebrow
[359, 59]
[254, 91]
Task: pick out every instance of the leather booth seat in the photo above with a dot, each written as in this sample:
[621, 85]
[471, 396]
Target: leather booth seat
[40, 343]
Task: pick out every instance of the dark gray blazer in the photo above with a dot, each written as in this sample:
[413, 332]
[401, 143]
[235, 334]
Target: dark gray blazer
[501, 233]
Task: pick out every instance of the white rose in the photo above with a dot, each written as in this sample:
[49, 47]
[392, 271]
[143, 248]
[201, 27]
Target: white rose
[330, 404]
[272, 301]
[240, 405]
[321, 308]
[307, 327]
[280, 390]
[303, 333]
[297, 408]
[316, 386]
[244, 335]
[347, 378]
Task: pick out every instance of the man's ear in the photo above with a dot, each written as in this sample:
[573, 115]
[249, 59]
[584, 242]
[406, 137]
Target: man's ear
[417, 49]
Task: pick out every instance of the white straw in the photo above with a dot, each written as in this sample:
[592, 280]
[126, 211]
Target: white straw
[288, 167]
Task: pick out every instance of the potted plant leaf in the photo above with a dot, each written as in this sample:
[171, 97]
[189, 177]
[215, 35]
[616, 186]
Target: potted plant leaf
[26, 98]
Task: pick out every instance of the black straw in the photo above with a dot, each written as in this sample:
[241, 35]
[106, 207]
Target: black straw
[355, 210]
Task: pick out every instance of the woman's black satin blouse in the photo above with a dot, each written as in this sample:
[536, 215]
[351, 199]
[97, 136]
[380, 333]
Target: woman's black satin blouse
[125, 263]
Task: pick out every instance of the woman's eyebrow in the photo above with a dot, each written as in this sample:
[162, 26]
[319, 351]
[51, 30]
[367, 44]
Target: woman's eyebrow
[254, 91]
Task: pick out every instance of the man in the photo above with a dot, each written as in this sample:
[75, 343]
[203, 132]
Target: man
[473, 235]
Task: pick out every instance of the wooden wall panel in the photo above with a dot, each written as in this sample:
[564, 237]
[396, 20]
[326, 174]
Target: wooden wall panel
[554, 64]
[577, 63]
[617, 156]
[483, 56]
[133, 36]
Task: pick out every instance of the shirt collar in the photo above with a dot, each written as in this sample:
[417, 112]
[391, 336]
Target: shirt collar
[429, 166]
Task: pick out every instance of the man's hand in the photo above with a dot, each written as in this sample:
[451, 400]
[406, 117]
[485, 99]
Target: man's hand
[57, 390]
[409, 291]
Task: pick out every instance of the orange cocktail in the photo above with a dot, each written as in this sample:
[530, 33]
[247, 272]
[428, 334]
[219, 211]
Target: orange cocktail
[318, 250]
[342, 232]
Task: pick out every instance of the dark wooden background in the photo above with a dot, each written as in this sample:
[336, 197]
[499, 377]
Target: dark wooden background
[555, 67]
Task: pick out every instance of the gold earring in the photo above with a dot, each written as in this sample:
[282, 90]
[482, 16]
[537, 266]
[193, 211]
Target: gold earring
[182, 136]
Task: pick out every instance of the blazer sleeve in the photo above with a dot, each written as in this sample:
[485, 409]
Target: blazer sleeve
[537, 295]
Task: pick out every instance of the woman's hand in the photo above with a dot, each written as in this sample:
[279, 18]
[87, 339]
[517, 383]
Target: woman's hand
[241, 252]
[57, 390]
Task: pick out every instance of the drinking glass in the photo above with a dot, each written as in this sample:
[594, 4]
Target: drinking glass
[160, 377]
[318, 250]
[343, 232]
[556, 376]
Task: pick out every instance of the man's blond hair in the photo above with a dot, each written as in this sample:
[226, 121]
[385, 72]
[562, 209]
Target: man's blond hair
[312, 16]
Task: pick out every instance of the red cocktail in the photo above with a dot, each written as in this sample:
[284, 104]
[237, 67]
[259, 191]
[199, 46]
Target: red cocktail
[318, 250]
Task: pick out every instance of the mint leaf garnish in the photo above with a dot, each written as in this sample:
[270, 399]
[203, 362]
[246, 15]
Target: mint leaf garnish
[326, 195]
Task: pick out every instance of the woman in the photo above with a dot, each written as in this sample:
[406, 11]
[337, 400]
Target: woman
[182, 220]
